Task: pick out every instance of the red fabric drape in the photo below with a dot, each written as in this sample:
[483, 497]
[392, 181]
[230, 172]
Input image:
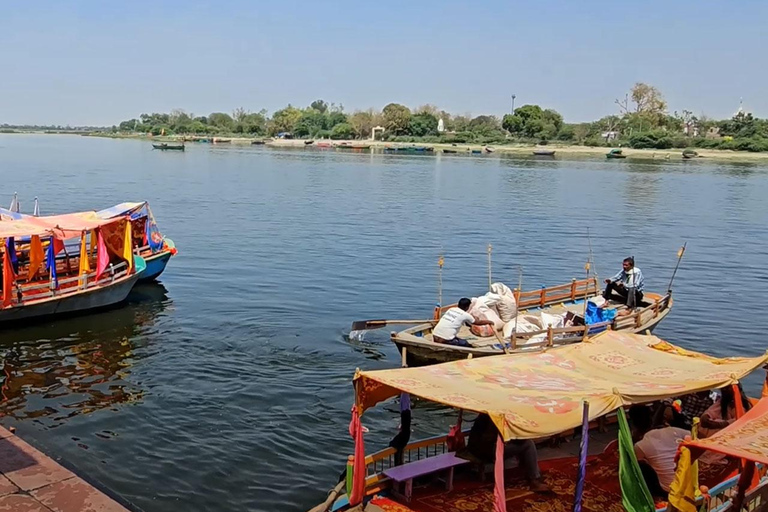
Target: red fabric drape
[745, 464]
[102, 258]
[9, 277]
[500, 497]
[358, 477]
[58, 245]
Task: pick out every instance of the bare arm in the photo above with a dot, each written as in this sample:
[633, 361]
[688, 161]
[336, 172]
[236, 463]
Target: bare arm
[708, 422]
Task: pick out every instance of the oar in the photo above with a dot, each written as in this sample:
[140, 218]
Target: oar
[363, 325]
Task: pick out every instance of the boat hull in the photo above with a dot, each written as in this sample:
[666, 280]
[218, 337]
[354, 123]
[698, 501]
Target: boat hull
[156, 263]
[87, 301]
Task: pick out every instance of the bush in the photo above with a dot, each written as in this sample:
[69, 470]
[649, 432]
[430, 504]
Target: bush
[463, 137]
[323, 134]
[594, 142]
[343, 131]
[651, 140]
[680, 142]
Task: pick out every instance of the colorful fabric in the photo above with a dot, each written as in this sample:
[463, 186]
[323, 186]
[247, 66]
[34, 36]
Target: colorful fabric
[583, 449]
[36, 256]
[682, 492]
[694, 406]
[102, 257]
[534, 395]
[128, 246]
[358, 474]
[635, 495]
[50, 264]
[10, 246]
[499, 495]
[746, 438]
[85, 266]
[9, 278]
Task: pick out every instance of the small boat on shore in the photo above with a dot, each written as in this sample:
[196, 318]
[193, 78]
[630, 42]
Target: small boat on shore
[347, 145]
[475, 151]
[489, 149]
[165, 146]
[218, 140]
[308, 142]
[543, 152]
[615, 154]
[37, 283]
[323, 145]
[689, 154]
[450, 151]
[257, 142]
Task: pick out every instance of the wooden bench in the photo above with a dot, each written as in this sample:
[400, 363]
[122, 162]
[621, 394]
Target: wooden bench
[407, 472]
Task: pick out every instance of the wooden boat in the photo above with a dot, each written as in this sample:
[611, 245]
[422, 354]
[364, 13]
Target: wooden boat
[323, 145]
[615, 153]
[476, 151]
[353, 146]
[543, 152]
[489, 149]
[156, 250]
[540, 397]
[258, 142]
[308, 142]
[418, 348]
[450, 151]
[218, 140]
[168, 147]
[689, 153]
[69, 286]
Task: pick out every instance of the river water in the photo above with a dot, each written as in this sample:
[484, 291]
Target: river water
[228, 385]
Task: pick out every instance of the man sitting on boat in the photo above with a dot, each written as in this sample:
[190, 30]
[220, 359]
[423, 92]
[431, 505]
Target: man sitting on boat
[482, 445]
[626, 287]
[447, 329]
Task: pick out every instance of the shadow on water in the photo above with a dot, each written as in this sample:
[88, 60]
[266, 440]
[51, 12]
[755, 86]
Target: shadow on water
[59, 369]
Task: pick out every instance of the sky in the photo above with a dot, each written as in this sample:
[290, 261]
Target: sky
[98, 63]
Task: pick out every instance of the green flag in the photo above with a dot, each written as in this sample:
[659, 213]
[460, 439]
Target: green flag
[635, 495]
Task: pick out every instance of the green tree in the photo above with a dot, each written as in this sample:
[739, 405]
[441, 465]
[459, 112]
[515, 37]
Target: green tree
[311, 122]
[363, 123]
[284, 120]
[423, 124]
[484, 125]
[221, 120]
[320, 106]
[396, 118]
[342, 131]
[335, 117]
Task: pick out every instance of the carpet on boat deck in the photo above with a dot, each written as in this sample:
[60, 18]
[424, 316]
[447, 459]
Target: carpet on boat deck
[601, 491]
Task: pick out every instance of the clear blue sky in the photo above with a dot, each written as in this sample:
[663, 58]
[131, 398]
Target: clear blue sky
[97, 62]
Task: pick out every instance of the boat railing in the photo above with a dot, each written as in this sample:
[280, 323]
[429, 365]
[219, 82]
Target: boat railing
[573, 291]
[29, 293]
[557, 335]
[642, 316]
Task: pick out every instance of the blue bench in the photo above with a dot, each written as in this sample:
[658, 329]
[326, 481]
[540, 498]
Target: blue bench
[407, 472]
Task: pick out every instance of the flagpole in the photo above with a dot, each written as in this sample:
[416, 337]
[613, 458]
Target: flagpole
[680, 254]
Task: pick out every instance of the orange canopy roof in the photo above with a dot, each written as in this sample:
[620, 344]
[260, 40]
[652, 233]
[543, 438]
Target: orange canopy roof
[746, 438]
[65, 226]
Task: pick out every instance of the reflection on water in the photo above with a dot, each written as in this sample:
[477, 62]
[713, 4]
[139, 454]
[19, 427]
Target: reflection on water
[57, 370]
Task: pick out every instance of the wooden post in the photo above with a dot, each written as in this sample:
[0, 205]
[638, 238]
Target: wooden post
[550, 339]
[513, 343]
[638, 319]
[655, 308]
[573, 289]
[516, 293]
[543, 298]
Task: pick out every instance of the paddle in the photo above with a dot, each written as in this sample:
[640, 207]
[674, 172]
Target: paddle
[364, 325]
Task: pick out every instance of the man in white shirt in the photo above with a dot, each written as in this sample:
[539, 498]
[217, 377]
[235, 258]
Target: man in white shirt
[447, 329]
[655, 449]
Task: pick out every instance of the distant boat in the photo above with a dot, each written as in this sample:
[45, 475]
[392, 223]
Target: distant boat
[258, 142]
[615, 153]
[476, 151]
[165, 146]
[489, 149]
[689, 153]
[324, 145]
[544, 152]
[221, 141]
[308, 142]
[353, 146]
[450, 151]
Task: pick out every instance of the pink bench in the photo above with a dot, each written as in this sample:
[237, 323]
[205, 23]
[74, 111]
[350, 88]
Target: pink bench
[407, 472]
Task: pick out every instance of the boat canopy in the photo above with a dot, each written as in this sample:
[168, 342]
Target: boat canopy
[135, 210]
[63, 227]
[540, 394]
[746, 438]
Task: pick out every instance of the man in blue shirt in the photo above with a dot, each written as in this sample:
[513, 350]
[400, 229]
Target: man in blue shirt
[626, 287]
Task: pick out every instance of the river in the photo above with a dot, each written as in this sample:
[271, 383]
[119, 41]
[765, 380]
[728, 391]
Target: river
[227, 386]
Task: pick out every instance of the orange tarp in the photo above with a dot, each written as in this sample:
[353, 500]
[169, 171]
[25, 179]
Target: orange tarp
[66, 226]
[540, 394]
[746, 438]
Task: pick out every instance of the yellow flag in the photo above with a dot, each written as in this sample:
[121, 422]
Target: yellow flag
[94, 243]
[128, 246]
[682, 492]
[440, 262]
[85, 266]
[680, 252]
[36, 256]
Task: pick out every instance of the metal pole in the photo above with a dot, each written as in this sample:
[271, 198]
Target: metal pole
[490, 248]
[513, 104]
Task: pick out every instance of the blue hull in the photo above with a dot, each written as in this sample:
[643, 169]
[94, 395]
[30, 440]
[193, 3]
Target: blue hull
[157, 262]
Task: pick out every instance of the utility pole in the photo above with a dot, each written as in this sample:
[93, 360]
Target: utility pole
[513, 104]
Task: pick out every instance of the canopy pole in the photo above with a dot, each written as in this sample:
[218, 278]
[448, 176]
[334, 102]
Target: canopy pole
[500, 497]
[583, 448]
[677, 265]
[440, 263]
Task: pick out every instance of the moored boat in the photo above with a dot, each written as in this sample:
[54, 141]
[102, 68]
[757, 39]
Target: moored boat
[347, 145]
[689, 153]
[615, 154]
[219, 140]
[154, 248]
[450, 151]
[168, 147]
[38, 283]
[258, 142]
[543, 152]
[544, 398]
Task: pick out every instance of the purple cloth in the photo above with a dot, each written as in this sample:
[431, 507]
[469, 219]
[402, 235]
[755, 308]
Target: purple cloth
[405, 402]
[583, 448]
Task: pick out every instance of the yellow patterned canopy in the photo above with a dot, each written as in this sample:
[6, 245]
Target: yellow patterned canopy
[540, 394]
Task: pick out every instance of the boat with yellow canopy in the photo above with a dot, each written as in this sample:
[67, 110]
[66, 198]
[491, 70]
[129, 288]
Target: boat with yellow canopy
[540, 396]
[38, 282]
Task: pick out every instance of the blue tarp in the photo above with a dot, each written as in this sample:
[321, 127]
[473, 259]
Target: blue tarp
[596, 315]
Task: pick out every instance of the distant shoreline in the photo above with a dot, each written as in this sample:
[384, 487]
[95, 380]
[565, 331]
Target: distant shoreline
[566, 150]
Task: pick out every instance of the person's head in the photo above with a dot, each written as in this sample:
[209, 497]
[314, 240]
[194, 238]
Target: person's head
[641, 418]
[464, 304]
[728, 400]
[628, 263]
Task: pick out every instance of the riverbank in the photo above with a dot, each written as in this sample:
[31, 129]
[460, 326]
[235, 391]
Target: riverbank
[31, 481]
[561, 150]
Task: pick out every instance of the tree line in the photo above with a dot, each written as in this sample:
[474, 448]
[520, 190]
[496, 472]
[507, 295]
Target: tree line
[642, 120]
